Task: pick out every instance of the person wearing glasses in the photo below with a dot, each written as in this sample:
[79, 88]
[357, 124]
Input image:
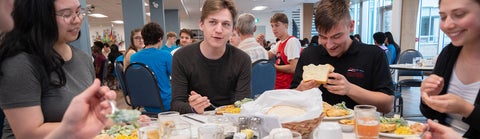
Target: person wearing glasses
[136, 44]
[211, 73]
[40, 72]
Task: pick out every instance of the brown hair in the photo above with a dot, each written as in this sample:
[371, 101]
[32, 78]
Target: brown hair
[186, 31]
[331, 12]
[440, 1]
[132, 44]
[210, 6]
[279, 17]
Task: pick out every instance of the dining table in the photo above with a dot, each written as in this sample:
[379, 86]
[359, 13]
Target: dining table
[413, 67]
[196, 120]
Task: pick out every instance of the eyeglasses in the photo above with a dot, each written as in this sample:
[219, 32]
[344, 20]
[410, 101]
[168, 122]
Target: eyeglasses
[70, 16]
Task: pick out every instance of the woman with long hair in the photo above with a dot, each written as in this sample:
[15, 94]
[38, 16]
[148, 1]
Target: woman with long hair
[136, 44]
[39, 72]
[393, 47]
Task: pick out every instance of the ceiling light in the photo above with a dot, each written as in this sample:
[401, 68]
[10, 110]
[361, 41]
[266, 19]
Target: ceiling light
[117, 22]
[146, 4]
[148, 14]
[97, 15]
[259, 8]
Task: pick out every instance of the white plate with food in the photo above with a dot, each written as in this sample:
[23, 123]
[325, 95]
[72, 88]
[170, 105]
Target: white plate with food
[389, 128]
[340, 117]
[337, 111]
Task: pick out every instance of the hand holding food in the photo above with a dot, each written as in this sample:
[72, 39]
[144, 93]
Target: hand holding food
[338, 84]
[318, 73]
[438, 131]
[448, 103]
[432, 85]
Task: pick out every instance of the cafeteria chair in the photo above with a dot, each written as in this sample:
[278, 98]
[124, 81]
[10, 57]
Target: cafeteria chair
[118, 68]
[406, 57]
[263, 77]
[142, 87]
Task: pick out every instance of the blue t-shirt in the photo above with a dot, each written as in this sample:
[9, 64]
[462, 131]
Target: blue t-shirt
[160, 62]
[119, 59]
[165, 47]
[393, 53]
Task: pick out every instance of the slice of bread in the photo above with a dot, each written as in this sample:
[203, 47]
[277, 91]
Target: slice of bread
[286, 111]
[318, 73]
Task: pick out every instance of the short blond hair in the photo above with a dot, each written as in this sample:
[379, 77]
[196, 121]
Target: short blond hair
[171, 34]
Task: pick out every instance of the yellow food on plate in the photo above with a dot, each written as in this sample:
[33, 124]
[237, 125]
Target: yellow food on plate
[227, 109]
[387, 127]
[347, 121]
[403, 130]
[338, 110]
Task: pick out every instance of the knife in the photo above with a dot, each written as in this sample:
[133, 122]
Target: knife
[193, 119]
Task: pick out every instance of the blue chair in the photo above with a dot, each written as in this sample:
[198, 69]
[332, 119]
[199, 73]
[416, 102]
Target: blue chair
[263, 77]
[406, 57]
[142, 87]
[118, 68]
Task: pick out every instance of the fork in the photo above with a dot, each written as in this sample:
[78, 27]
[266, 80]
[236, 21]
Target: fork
[428, 128]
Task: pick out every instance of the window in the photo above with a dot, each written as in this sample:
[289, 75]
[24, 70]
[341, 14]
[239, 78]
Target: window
[429, 32]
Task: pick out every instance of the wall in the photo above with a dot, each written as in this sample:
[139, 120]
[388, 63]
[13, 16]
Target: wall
[116, 28]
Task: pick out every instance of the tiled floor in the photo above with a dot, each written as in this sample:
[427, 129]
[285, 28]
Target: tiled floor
[411, 100]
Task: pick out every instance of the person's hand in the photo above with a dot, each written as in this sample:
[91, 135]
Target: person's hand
[448, 103]
[197, 102]
[261, 39]
[438, 131]
[432, 85]
[337, 84]
[306, 85]
[86, 114]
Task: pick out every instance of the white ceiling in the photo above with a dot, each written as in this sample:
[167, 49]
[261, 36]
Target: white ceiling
[113, 8]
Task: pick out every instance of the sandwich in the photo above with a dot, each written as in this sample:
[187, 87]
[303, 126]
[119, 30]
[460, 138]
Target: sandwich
[318, 73]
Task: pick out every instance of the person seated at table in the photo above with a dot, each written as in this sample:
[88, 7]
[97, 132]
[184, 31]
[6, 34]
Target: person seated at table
[361, 75]
[170, 44]
[159, 61]
[245, 28]
[451, 93]
[212, 71]
[186, 36]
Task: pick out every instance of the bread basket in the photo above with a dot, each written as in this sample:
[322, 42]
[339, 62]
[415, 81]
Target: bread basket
[305, 127]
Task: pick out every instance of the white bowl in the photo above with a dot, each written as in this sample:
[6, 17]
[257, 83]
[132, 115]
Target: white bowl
[347, 127]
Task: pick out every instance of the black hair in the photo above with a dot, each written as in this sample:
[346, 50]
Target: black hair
[151, 32]
[35, 33]
[379, 38]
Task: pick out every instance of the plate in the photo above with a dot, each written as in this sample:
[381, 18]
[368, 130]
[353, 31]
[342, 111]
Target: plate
[393, 135]
[340, 117]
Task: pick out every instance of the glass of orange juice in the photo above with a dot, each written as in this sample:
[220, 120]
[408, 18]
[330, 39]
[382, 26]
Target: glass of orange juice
[367, 122]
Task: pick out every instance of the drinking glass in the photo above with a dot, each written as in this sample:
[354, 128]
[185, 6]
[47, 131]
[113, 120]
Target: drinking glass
[169, 116]
[181, 130]
[210, 131]
[367, 122]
